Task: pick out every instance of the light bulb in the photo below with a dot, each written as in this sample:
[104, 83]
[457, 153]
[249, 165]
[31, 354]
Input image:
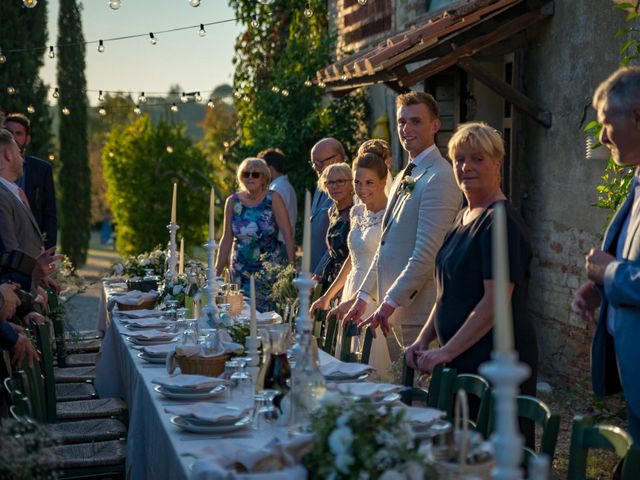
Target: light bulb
[184, 98]
[11, 90]
[202, 32]
[152, 38]
[52, 157]
[343, 77]
[169, 149]
[101, 46]
[198, 97]
[308, 83]
[210, 104]
[263, 2]
[52, 54]
[56, 93]
[111, 154]
[31, 109]
[285, 92]
[321, 84]
[246, 98]
[3, 57]
[102, 111]
[100, 96]
[237, 94]
[254, 22]
[174, 108]
[142, 98]
[362, 2]
[194, 3]
[30, 3]
[115, 4]
[275, 89]
[66, 111]
[307, 11]
[137, 110]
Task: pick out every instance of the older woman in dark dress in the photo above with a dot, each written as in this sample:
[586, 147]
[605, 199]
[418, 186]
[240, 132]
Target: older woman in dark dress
[463, 314]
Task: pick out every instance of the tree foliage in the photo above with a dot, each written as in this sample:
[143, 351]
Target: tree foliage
[140, 169]
[274, 58]
[25, 28]
[75, 176]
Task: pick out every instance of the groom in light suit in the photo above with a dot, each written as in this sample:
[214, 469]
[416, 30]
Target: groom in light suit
[423, 203]
[614, 271]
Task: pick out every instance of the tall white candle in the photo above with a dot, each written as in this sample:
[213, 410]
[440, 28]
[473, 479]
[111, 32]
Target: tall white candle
[181, 264]
[253, 326]
[503, 325]
[211, 214]
[174, 199]
[306, 234]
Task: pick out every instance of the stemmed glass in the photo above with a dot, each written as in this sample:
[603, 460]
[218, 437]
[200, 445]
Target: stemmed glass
[181, 315]
[190, 335]
[270, 411]
[242, 379]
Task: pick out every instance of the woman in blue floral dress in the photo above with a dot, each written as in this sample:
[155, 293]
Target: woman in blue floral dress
[253, 216]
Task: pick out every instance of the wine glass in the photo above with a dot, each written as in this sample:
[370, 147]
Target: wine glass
[270, 411]
[190, 335]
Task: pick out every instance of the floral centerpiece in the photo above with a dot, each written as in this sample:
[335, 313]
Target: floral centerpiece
[135, 265]
[360, 441]
[175, 290]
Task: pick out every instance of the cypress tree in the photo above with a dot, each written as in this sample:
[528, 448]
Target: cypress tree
[25, 29]
[75, 177]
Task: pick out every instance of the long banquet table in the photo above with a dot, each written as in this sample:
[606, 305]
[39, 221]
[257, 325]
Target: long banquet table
[155, 447]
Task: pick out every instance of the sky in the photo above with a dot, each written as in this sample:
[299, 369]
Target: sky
[196, 63]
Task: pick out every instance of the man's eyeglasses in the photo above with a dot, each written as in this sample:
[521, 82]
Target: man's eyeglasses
[337, 183]
[251, 174]
[320, 163]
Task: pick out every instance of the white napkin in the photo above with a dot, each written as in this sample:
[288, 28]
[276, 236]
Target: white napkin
[136, 297]
[347, 369]
[367, 389]
[207, 412]
[159, 351]
[268, 317]
[195, 382]
[150, 335]
[421, 417]
[275, 461]
[143, 313]
[146, 322]
[220, 343]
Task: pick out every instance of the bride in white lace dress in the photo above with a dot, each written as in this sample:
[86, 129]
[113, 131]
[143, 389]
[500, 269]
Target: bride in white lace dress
[370, 174]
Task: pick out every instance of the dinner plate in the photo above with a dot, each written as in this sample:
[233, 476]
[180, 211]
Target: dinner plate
[184, 424]
[148, 359]
[140, 341]
[158, 326]
[217, 390]
[378, 401]
[349, 378]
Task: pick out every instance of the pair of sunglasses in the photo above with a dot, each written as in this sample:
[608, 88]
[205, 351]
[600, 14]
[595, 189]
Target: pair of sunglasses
[251, 174]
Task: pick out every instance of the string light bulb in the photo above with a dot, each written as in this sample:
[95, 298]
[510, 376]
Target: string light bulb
[137, 110]
[198, 97]
[56, 93]
[142, 98]
[31, 109]
[169, 149]
[210, 104]
[111, 154]
[343, 77]
[184, 98]
[194, 3]
[308, 83]
[307, 11]
[115, 4]
[237, 94]
[101, 46]
[100, 96]
[11, 90]
[30, 3]
[3, 57]
[102, 111]
[254, 22]
[65, 111]
[202, 32]
[263, 2]
[275, 89]
[52, 157]
[52, 53]
[152, 38]
[285, 92]
[321, 84]
[246, 99]
[362, 2]
[174, 108]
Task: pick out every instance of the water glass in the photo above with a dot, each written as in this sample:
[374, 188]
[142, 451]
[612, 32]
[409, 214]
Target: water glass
[190, 335]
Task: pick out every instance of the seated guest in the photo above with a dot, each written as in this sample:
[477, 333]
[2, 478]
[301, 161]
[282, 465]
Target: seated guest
[381, 148]
[463, 315]
[276, 159]
[253, 216]
[12, 337]
[336, 181]
[370, 173]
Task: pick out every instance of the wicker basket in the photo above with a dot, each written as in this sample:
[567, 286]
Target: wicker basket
[460, 469]
[235, 302]
[209, 366]
[149, 304]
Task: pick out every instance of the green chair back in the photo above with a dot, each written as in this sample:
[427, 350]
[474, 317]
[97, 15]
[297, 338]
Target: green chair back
[56, 314]
[43, 337]
[439, 391]
[476, 386]
[331, 334]
[586, 435]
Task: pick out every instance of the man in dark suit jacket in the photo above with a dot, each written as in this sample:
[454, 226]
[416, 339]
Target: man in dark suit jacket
[614, 270]
[37, 180]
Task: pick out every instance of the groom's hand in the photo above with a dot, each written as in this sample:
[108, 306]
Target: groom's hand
[380, 318]
[356, 311]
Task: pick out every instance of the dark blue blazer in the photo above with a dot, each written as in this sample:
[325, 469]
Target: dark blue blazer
[40, 190]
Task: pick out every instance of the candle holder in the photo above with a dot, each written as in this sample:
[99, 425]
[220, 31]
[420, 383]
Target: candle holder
[172, 259]
[211, 287]
[304, 283]
[506, 373]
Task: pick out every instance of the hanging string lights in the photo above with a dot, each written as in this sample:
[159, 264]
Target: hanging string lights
[52, 53]
[101, 46]
[194, 3]
[152, 38]
[30, 3]
[202, 32]
[115, 4]
[307, 11]
[3, 57]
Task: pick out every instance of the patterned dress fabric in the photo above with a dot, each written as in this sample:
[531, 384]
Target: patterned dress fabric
[337, 244]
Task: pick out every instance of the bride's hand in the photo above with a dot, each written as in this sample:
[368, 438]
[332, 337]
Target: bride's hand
[321, 303]
[341, 310]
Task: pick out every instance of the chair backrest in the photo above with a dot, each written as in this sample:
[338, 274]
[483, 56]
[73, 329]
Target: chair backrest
[440, 385]
[475, 386]
[43, 337]
[56, 314]
[346, 352]
[586, 435]
[331, 334]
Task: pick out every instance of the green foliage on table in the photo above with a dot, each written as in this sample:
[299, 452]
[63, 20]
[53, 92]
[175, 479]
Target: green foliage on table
[175, 290]
[358, 440]
[136, 265]
[239, 332]
[282, 52]
[274, 284]
[140, 171]
[75, 176]
[25, 450]
[26, 28]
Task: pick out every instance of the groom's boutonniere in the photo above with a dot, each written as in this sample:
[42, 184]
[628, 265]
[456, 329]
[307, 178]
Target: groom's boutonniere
[407, 184]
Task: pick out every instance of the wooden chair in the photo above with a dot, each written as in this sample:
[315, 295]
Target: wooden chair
[474, 386]
[438, 393]
[346, 355]
[585, 435]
